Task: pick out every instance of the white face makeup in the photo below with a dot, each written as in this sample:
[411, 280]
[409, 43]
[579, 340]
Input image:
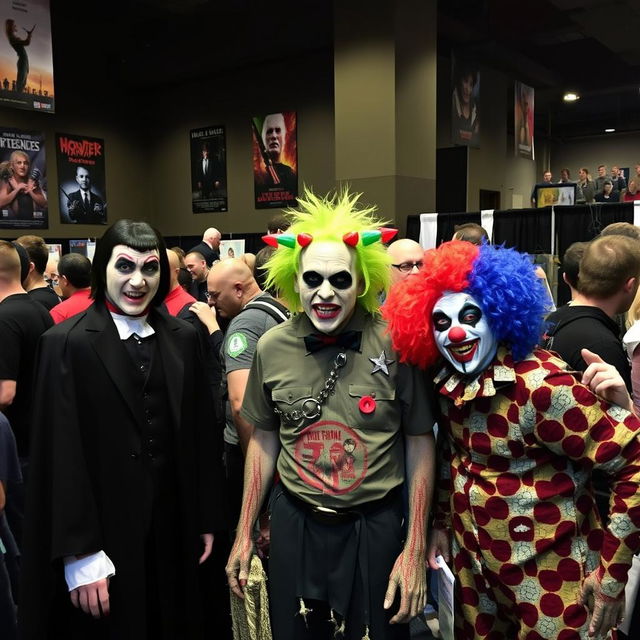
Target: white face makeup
[328, 285]
[133, 278]
[462, 333]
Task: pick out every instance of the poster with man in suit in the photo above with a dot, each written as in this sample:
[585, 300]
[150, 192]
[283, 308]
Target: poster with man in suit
[81, 177]
[208, 170]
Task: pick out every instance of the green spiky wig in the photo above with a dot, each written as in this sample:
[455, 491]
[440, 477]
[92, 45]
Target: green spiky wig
[327, 220]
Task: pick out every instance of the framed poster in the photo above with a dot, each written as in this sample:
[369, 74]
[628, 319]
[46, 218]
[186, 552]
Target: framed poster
[560, 194]
[275, 160]
[23, 180]
[208, 170]
[26, 58]
[231, 248]
[78, 246]
[81, 179]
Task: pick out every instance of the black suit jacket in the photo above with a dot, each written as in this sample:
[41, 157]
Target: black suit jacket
[88, 487]
[83, 215]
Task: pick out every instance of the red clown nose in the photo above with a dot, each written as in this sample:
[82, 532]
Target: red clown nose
[457, 334]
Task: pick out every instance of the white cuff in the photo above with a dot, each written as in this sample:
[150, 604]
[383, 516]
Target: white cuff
[81, 571]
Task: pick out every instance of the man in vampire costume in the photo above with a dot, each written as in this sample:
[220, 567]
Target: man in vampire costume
[332, 407]
[120, 499]
[521, 437]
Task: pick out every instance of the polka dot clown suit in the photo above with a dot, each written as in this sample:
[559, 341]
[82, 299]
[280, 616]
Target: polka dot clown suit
[520, 437]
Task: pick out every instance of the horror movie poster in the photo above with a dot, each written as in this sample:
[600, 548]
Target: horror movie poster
[23, 180]
[275, 160]
[208, 170]
[26, 60]
[523, 120]
[81, 179]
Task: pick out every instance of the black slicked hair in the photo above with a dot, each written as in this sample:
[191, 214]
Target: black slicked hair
[138, 235]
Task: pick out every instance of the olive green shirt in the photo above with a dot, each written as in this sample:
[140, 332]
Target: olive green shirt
[349, 454]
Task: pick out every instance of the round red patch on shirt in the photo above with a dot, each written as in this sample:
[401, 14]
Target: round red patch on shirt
[367, 405]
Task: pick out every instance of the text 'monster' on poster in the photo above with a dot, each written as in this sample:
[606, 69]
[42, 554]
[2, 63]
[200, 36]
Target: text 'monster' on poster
[81, 179]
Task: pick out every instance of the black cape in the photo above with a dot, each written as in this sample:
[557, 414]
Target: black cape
[88, 489]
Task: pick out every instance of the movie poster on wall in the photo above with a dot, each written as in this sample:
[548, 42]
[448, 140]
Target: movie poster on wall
[275, 160]
[208, 170]
[465, 102]
[81, 179]
[23, 180]
[524, 120]
[26, 59]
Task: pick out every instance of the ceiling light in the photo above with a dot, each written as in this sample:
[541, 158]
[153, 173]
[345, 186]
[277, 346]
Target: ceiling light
[609, 130]
[570, 96]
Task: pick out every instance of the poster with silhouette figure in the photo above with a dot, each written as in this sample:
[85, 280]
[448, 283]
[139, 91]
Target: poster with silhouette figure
[82, 190]
[26, 58]
[23, 180]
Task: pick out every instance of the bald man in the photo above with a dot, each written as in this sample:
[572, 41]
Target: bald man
[406, 258]
[209, 247]
[235, 294]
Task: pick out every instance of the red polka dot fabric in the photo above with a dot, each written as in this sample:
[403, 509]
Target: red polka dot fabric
[520, 443]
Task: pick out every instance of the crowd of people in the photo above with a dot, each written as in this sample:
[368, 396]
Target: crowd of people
[607, 186]
[176, 427]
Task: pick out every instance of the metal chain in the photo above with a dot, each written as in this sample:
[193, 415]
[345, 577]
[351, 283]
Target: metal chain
[312, 407]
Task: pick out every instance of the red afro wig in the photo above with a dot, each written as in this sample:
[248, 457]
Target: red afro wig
[409, 305]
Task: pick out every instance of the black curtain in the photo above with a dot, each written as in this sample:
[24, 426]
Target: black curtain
[525, 229]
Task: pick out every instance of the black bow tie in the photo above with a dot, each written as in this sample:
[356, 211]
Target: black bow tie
[347, 340]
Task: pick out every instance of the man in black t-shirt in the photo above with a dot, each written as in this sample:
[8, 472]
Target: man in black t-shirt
[607, 284]
[35, 284]
[22, 322]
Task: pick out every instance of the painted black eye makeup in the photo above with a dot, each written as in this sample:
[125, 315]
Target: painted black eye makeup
[151, 268]
[123, 265]
[341, 280]
[441, 321]
[470, 314]
[312, 279]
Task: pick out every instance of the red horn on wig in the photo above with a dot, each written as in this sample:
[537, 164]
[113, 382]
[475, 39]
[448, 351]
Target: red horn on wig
[305, 239]
[387, 233]
[351, 238]
[271, 240]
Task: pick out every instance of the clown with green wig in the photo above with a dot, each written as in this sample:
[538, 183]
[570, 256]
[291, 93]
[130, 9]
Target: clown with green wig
[343, 423]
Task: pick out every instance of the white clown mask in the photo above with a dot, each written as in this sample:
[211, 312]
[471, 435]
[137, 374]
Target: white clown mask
[462, 333]
[328, 285]
[132, 279]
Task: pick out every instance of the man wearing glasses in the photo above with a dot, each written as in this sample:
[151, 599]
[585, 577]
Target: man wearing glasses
[406, 258]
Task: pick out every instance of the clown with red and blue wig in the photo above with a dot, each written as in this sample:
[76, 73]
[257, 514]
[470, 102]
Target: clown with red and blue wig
[520, 436]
